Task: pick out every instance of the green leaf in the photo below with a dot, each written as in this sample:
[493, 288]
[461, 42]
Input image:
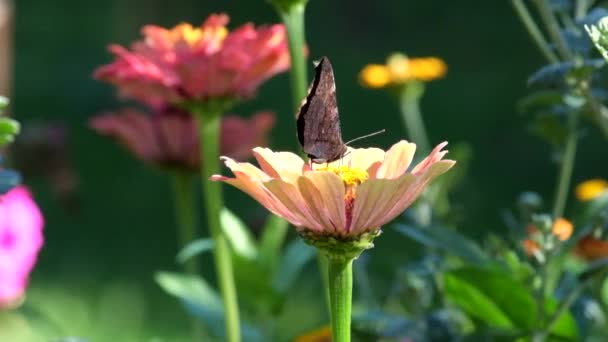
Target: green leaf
[473, 301]
[271, 241]
[447, 240]
[241, 239]
[191, 289]
[540, 100]
[4, 101]
[8, 129]
[194, 248]
[201, 300]
[296, 256]
[9, 126]
[495, 298]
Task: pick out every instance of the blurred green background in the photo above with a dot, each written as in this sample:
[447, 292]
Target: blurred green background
[121, 231]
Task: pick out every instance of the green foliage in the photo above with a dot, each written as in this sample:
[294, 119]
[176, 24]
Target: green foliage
[447, 240]
[496, 299]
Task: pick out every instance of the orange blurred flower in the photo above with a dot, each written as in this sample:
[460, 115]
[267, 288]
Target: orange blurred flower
[591, 189]
[357, 194]
[188, 63]
[169, 139]
[399, 69]
[322, 334]
[562, 229]
[591, 248]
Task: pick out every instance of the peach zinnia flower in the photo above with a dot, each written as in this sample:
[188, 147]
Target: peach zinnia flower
[357, 194]
[21, 238]
[170, 138]
[188, 63]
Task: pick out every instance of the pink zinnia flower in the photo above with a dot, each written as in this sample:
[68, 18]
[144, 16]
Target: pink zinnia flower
[188, 63]
[169, 138]
[358, 194]
[20, 240]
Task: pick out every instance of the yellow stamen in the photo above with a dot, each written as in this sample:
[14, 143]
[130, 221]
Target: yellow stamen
[350, 176]
[375, 76]
[217, 33]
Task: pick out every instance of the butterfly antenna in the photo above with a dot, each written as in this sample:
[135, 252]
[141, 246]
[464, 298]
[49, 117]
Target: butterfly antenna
[366, 136]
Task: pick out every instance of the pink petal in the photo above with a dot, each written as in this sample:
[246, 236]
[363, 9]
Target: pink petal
[397, 159]
[281, 165]
[289, 196]
[381, 200]
[324, 192]
[435, 155]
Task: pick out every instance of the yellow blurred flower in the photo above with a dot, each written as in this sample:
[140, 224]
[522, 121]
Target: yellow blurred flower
[319, 335]
[591, 189]
[562, 229]
[399, 69]
[375, 76]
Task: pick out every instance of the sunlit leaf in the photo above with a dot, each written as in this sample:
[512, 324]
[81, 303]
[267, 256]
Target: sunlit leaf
[495, 298]
[475, 302]
[194, 248]
[241, 239]
[201, 300]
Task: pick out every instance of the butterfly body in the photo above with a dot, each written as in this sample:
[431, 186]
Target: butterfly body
[318, 121]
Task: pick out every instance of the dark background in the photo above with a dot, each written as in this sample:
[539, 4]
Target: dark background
[122, 229]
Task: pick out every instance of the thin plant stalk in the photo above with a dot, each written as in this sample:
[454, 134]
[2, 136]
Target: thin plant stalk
[534, 31]
[275, 229]
[293, 18]
[553, 29]
[209, 128]
[569, 153]
[340, 276]
[566, 166]
[185, 215]
[409, 101]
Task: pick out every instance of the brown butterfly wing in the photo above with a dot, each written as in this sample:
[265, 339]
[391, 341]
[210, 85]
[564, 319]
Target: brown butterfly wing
[318, 120]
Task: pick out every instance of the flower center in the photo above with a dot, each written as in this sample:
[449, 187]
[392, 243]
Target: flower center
[350, 176]
[192, 35]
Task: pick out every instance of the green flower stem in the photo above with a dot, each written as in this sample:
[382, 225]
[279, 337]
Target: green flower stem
[293, 18]
[409, 100]
[185, 215]
[566, 166]
[534, 31]
[209, 130]
[185, 212]
[340, 272]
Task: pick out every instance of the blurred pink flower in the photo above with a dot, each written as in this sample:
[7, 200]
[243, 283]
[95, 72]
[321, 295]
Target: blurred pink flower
[20, 240]
[357, 194]
[188, 63]
[169, 138]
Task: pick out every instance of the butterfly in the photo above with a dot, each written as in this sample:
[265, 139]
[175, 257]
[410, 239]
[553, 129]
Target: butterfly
[318, 121]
